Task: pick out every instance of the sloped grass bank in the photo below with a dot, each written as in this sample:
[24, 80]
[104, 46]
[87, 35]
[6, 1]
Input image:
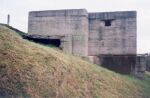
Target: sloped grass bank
[29, 70]
[144, 84]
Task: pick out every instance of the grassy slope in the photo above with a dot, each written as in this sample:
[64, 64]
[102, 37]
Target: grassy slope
[144, 84]
[31, 70]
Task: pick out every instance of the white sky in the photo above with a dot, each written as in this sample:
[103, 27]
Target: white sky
[18, 10]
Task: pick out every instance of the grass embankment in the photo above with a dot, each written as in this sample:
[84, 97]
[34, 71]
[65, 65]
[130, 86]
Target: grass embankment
[144, 84]
[35, 71]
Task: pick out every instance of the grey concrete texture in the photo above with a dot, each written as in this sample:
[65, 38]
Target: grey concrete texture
[103, 37]
[86, 34]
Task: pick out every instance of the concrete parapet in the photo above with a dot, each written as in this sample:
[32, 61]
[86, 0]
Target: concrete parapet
[112, 15]
[53, 13]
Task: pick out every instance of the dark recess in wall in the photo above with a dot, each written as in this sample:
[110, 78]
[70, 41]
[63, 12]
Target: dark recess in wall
[123, 64]
[53, 42]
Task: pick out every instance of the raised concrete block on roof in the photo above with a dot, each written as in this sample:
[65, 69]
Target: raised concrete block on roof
[67, 12]
[112, 15]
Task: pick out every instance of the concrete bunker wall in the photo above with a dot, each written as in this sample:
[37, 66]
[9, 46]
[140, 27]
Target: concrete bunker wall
[72, 24]
[112, 40]
[107, 39]
[148, 63]
[112, 33]
[140, 66]
[124, 64]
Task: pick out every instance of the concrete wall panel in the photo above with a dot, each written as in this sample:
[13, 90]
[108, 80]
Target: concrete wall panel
[86, 34]
[119, 38]
[67, 23]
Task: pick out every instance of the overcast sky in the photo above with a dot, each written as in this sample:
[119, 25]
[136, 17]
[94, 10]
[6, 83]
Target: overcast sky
[18, 10]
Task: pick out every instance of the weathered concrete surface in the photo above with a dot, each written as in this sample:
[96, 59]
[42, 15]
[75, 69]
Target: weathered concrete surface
[72, 24]
[85, 34]
[124, 64]
[140, 66]
[118, 38]
[147, 62]
[95, 36]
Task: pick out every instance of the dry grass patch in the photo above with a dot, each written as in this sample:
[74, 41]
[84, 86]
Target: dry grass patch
[31, 70]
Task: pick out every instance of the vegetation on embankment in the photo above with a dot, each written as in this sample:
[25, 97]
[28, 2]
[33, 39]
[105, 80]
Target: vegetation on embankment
[29, 70]
[144, 83]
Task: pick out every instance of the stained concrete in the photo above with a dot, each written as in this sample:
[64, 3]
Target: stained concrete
[72, 24]
[124, 64]
[85, 34]
[119, 38]
[90, 35]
